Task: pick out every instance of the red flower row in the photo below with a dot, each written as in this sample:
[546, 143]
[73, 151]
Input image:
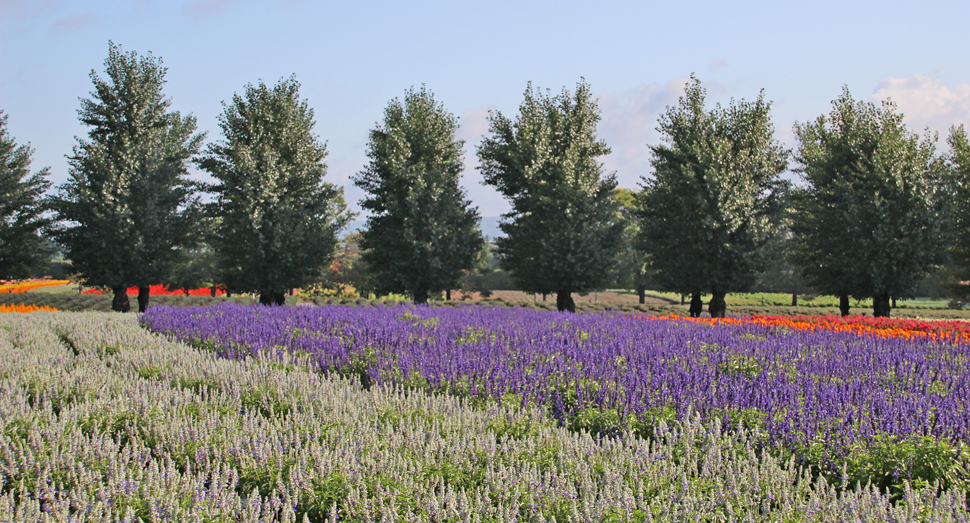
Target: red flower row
[162, 290]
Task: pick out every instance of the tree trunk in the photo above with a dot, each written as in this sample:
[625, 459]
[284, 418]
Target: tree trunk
[717, 308]
[642, 295]
[894, 301]
[448, 294]
[143, 297]
[794, 299]
[212, 291]
[421, 296]
[280, 299]
[267, 298]
[564, 302]
[681, 299]
[844, 304]
[120, 302]
[880, 306]
[696, 305]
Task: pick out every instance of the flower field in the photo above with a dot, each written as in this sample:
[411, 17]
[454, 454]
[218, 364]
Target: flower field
[105, 421]
[942, 330]
[25, 308]
[24, 286]
[853, 403]
[162, 290]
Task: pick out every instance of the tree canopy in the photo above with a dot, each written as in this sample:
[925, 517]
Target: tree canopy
[277, 219]
[562, 232]
[868, 222]
[128, 203]
[632, 269]
[21, 208]
[957, 163]
[715, 198]
[422, 234]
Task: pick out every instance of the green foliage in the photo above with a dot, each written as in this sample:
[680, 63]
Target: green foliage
[889, 462]
[562, 232]
[632, 269]
[128, 203]
[598, 421]
[868, 222]
[277, 219]
[475, 335]
[197, 384]
[196, 264]
[740, 365]
[958, 162]
[325, 497]
[483, 275]
[347, 276]
[715, 199]
[423, 233]
[264, 401]
[21, 209]
[652, 421]
[779, 274]
[516, 428]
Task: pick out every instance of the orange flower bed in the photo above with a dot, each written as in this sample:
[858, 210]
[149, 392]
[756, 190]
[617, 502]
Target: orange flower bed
[162, 290]
[955, 330]
[26, 308]
[24, 286]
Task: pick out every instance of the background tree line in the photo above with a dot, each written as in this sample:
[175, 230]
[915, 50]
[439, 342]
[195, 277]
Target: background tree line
[876, 211]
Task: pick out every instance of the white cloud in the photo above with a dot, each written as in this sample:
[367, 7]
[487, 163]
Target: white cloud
[628, 125]
[924, 102]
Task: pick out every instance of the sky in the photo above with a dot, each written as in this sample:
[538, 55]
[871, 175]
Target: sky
[352, 58]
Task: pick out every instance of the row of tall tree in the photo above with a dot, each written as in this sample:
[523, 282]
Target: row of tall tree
[877, 212]
[130, 215]
[878, 208]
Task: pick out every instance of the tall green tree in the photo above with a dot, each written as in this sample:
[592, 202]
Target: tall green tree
[278, 219]
[780, 275]
[869, 221]
[196, 264]
[715, 198]
[562, 233]
[958, 178]
[422, 234]
[632, 269]
[21, 209]
[128, 203]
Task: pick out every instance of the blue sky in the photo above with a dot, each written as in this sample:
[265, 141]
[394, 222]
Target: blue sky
[353, 57]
